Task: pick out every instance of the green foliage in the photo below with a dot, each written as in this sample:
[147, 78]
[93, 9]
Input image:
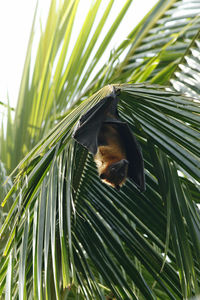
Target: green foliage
[64, 234]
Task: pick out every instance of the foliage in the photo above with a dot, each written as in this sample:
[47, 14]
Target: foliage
[68, 236]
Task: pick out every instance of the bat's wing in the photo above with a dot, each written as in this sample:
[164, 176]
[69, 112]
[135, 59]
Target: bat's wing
[133, 153]
[87, 130]
[134, 156]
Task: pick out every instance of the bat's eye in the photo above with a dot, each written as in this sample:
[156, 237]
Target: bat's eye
[102, 176]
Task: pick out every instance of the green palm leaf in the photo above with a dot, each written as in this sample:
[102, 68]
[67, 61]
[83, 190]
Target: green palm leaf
[55, 78]
[59, 174]
[160, 41]
[66, 235]
[186, 75]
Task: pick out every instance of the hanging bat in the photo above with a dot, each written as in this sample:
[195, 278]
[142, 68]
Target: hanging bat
[116, 152]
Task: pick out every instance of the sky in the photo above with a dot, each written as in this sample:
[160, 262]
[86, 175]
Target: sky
[15, 25]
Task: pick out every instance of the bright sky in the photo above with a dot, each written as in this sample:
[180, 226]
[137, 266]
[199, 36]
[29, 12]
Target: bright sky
[15, 25]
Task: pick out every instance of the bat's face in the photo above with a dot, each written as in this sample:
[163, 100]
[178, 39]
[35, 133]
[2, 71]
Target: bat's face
[115, 174]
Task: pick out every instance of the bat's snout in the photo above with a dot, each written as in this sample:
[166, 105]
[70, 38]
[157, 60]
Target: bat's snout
[121, 168]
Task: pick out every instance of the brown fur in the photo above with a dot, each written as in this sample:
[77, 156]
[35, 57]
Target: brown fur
[111, 152]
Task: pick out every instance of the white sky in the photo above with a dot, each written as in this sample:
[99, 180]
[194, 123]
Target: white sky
[15, 24]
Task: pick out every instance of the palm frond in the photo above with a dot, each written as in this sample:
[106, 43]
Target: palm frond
[65, 218]
[159, 42]
[65, 235]
[58, 77]
[186, 75]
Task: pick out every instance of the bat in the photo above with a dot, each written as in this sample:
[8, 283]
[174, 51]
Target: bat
[116, 152]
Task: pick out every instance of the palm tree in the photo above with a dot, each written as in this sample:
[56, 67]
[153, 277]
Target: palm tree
[64, 234]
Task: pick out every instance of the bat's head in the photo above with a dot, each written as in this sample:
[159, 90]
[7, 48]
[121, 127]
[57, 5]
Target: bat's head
[115, 174]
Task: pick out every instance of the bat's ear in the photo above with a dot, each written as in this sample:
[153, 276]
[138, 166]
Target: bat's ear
[102, 176]
[117, 187]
